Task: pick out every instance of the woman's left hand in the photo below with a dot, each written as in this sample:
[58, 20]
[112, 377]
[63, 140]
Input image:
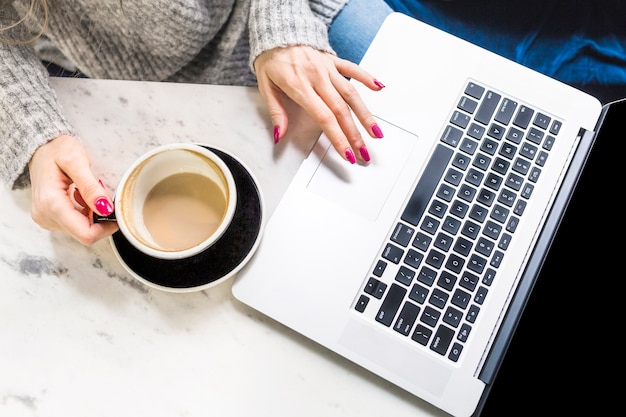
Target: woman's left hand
[318, 82]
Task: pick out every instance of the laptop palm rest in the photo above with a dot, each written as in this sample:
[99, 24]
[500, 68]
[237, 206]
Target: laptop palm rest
[362, 189]
[387, 355]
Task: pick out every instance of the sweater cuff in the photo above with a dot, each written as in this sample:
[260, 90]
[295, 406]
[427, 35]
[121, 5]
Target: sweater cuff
[281, 23]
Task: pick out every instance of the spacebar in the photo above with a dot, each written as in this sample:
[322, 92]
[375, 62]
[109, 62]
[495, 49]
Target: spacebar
[427, 184]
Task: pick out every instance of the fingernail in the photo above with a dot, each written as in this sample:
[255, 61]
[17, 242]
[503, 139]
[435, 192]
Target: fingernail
[350, 156]
[364, 154]
[377, 132]
[101, 183]
[103, 206]
[379, 84]
[276, 134]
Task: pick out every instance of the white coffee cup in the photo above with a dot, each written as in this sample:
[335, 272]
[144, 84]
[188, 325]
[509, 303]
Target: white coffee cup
[175, 201]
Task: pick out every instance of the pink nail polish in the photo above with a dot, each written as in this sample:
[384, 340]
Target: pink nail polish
[376, 131]
[379, 84]
[364, 154]
[103, 206]
[276, 134]
[350, 156]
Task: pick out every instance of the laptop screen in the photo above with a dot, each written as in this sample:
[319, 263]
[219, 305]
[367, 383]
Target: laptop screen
[558, 350]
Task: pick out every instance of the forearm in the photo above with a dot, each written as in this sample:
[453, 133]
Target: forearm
[280, 23]
[30, 114]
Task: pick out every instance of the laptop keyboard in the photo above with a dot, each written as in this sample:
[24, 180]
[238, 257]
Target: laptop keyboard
[454, 231]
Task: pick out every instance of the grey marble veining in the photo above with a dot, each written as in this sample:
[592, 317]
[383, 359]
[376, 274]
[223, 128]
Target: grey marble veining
[80, 337]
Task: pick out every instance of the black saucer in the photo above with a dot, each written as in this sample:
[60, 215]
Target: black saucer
[216, 263]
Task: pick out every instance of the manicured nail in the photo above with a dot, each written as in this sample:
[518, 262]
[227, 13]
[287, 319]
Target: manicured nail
[350, 156]
[101, 183]
[364, 154]
[276, 134]
[377, 132]
[103, 206]
[379, 84]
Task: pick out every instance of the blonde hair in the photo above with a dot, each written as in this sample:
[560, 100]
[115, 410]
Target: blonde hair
[35, 7]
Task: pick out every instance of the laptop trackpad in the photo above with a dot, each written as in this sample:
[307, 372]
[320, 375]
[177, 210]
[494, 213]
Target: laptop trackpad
[362, 189]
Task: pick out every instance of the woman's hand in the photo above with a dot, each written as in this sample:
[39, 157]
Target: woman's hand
[65, 192]
[317, 82]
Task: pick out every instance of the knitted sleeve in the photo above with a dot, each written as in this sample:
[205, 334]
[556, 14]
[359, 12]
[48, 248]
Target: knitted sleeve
[30, 114]
[280, 23]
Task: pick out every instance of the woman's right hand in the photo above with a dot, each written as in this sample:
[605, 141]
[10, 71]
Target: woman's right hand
[65, 192]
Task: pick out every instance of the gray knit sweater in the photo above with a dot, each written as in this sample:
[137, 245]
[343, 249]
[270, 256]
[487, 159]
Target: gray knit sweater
[200, 41]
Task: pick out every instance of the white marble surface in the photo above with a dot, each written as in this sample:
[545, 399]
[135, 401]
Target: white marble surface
[80, 337]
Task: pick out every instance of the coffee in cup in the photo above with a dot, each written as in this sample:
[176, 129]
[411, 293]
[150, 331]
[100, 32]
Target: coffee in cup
[175, 201]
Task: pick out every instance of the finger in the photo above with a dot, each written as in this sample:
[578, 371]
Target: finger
[274, 101]
[326, 109]
[354, 99]
[351, 70]
[78, 198]
[336, 95]
[92, 191]
[79, 225]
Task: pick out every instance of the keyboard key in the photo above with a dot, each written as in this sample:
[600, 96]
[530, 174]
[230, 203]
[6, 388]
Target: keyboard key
[438, 298]
[446, 280]
[405, 275]
[523, 117]
[413, 258]
[460, 119]
[442, 339]
[427, 185]
[467, 104]
[435, 258]
[487, 107]
[430, 316]
[452, 136]
[421, 334]
[392, 253]
[390, 305]
[505, 111]
[422, 241]
[402, 234]
[375, 288]
[362, 303]
[406, 318]
[452, 317]
[455, 352]
[474, 90]
[418, 293]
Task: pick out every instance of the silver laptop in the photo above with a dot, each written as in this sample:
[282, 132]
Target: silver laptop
[417, 266]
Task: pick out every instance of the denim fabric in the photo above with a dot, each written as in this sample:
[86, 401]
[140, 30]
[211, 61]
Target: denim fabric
[582, 43]
[355, 26]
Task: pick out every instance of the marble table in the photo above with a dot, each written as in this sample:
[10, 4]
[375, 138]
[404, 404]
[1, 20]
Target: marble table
[80, 337]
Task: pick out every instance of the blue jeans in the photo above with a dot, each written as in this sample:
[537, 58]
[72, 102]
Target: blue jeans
[582, 43]
[353, 29]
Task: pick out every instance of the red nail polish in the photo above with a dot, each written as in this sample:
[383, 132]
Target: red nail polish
[103, 206]
[376, 131]
[350, 156]
[379, 84]
[276, 134]
[364, 154]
